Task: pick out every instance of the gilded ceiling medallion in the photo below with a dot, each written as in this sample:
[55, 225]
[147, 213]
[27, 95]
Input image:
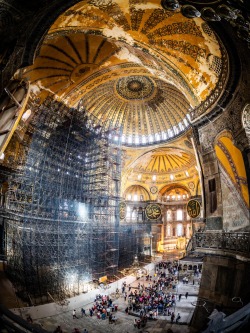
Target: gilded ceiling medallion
[81, 71]
[135, 87]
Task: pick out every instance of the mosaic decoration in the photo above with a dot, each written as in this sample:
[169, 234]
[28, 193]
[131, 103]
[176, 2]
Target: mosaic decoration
[134, 67]
[164, 160]
[157, 16]
[188, 27]
[135, 87]
[113, 10]
[158, 116]
[153, 211]
[193, 51]
[234, 11]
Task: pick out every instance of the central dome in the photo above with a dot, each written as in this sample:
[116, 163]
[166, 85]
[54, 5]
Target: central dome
[138, 67]
[135, 87]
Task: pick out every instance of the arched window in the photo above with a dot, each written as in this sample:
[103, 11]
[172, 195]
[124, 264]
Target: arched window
[179, 216]
[134, 214]
[168, 230]
[128, 212]
[169, 215]
[179, 230]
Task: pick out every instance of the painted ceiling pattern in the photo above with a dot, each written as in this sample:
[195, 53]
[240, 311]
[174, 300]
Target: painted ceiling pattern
[136, 190]
[232, 162]
[132, 62]
[164, 160]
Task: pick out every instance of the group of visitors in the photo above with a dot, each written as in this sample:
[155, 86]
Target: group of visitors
[146, 301]
[157, 297]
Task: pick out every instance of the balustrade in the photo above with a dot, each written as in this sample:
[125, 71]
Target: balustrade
[230, 241]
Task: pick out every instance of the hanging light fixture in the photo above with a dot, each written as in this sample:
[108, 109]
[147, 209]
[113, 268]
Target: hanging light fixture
[237, 13]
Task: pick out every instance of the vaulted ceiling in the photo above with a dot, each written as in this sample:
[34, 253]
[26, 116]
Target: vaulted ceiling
[132, 65]
[135, 66]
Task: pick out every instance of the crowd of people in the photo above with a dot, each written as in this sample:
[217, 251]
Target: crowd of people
[146, 301]
[158, 296]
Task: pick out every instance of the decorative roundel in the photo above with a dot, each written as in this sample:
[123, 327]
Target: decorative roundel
[122, 210]
[193, 208]
[153, 211]
[153, 189]
[191, 185]
[135, 87]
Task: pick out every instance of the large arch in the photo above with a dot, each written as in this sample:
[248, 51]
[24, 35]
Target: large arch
[234, 182]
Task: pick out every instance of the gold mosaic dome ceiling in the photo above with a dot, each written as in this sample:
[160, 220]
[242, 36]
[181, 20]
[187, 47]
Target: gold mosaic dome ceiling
[132, 65]
[159, 166]
[164, 160]
[138, 191]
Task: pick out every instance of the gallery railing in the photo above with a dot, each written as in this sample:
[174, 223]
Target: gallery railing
[229, 241]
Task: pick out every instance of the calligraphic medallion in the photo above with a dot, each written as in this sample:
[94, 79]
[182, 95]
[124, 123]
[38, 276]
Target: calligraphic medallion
[153, 211]
[193, 208]
[122, 210]
[153, 189]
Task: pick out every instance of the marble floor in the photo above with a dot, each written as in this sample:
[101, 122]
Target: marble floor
[125, 322]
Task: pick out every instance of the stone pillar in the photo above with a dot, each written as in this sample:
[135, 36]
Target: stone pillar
[224, 286]
[211, 178]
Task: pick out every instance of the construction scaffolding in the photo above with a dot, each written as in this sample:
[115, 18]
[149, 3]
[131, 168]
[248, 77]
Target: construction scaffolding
[132, 242]
[62, 212]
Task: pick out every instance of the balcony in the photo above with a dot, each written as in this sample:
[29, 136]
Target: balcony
[236, 242]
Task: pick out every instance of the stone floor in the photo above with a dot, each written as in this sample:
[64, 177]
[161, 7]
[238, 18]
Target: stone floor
[125, 322]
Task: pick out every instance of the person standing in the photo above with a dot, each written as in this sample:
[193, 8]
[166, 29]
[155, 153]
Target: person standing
[172, 317]
[178, 318]
[186, 294]
[74, 314]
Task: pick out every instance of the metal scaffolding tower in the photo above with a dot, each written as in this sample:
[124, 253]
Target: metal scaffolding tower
[62, 213]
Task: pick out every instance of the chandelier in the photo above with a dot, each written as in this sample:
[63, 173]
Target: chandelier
[236, 12]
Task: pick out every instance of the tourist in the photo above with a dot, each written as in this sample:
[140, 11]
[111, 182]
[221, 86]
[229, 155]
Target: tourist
[74, 314]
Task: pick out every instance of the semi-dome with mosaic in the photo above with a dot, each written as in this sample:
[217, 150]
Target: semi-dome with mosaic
[164, 161]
